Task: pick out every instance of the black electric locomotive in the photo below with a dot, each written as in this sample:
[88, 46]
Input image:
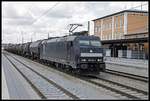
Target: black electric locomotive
[77, 53]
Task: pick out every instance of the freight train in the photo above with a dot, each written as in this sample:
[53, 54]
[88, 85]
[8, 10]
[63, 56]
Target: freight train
[76, 53]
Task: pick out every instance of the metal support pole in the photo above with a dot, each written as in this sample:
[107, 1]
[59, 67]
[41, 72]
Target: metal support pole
[22, 37]
[138, 51]
[141, 5]
[48, 35]
[88, 27]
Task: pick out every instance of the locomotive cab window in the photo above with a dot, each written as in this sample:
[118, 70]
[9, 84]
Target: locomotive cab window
[84, 42]
[95, 43]
[90, 43]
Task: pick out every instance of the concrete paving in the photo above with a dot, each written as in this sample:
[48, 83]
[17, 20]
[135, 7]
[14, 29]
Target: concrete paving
[133, 66]
[5, 94]
[14, 85]
[136, 63]
[130, 70]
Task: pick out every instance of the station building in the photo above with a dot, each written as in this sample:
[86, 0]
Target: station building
[124, 30]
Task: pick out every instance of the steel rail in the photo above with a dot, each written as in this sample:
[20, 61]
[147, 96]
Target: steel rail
[117, 90]
[128, 75]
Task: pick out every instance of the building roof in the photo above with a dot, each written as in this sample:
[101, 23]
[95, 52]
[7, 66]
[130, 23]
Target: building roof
[131, 40]
[136, 11]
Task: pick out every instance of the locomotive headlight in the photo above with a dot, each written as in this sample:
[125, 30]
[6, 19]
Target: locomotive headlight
[83, 60]
[99, 60]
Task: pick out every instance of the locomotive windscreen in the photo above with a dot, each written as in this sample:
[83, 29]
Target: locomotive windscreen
[90, 43]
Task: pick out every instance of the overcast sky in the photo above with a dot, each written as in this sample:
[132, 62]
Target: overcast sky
[36, 19]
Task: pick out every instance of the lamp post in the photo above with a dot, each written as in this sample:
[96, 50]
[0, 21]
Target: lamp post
[88, 27]
[22, 36]
[31, 37]
[48, 35]
[141, 5]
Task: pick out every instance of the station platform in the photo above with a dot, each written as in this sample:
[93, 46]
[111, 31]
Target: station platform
[132, 66]
[14, 86]
[5, 94]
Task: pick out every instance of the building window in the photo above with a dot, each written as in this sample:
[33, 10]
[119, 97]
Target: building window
[121, 22]
[114, 35]
[116, 22]
[99, 28]
[103, 26]
[110, 25]
[103, 37]
[106, 25]
[145, 14]
[110, 36]
[96, 29]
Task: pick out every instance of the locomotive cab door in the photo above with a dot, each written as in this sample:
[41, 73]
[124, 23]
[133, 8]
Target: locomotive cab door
[69, 49]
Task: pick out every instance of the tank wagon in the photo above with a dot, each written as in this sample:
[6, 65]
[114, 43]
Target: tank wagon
[20, 49]
[9, 47]
[34, 49]
[26, 49]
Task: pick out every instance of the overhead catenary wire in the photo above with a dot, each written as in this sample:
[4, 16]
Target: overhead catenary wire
[45, 13]
[139, 6]
[50, 9]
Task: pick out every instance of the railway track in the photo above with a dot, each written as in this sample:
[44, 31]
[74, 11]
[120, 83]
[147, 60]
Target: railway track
[124, 90]
[120, 89]
[127, 75]
[44, 87]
